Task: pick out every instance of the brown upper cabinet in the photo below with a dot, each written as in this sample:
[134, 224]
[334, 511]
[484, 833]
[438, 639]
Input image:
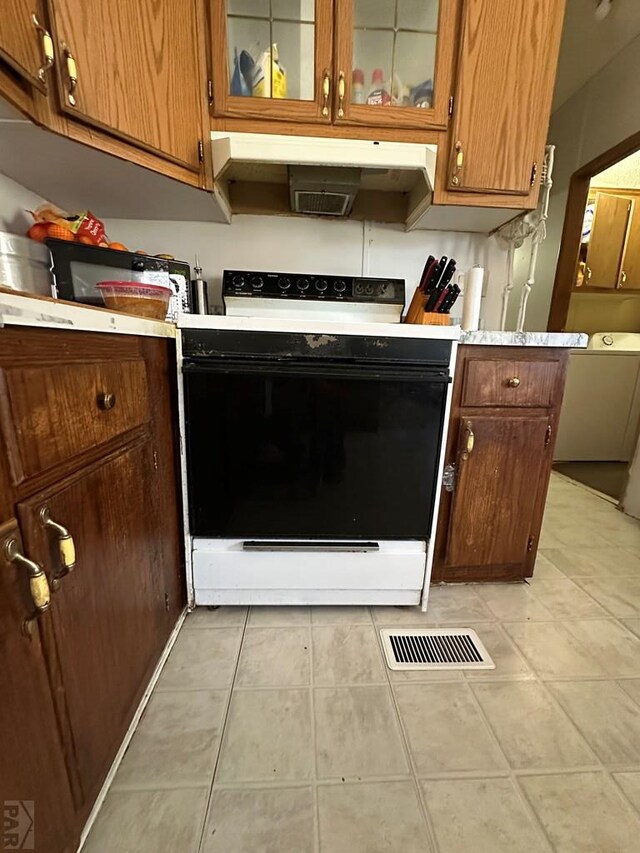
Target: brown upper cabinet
[24, 42]
[502, 100]
[134, 70]
[363, 62]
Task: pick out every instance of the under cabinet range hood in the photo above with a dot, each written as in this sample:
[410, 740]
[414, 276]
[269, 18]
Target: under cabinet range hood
[347, 178]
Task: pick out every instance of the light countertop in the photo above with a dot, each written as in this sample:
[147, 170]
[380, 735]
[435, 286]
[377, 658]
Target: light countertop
[571, 340]
[19, 309]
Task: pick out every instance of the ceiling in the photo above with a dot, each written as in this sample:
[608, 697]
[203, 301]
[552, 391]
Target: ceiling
[588, 45]
[625, 174]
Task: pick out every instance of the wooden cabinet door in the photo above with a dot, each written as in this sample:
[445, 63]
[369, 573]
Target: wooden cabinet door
[21, 41]
[630, 274]
[302, 32]
[412, 44]
[607, 240]
[108, 624]
[34, 787]
[139, 71]
[498, 468]
[506, 72]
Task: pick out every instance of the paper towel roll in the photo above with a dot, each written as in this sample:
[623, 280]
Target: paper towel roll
[472, 296]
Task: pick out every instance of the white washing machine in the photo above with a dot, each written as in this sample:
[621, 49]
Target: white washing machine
[600, 413]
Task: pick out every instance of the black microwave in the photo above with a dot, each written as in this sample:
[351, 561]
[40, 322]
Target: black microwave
[78, 267]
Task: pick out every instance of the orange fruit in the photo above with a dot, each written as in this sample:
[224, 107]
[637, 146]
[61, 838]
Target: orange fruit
[141, 252]
[119, 246]
[39, 231]
[88, 241]
[59, 232]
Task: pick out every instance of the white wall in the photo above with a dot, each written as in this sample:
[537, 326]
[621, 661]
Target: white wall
[600, 115]
[15, 202]
[294, 244]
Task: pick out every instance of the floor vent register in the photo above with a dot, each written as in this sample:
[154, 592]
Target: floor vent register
[435, 648]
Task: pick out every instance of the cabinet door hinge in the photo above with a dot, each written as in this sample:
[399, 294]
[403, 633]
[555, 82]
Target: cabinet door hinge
[449, 477]
[547, 436]
[210, 92]
[534, 173]
[200, 151]
[530, 545]
[451, 106]
[166, 601]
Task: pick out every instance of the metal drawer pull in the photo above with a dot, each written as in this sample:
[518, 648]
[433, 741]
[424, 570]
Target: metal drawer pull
[106, 400]
[513, 383]
[66, 545]
[326, 91]
[341, 88]
[47, 48]
[471, 440]
[38, 583]
[72, 74]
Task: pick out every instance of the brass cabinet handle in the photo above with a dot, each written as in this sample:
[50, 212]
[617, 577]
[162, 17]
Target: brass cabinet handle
[471, 440]
[72, 74]
[623, 278]
[38, 583]
[326, 92]
[66, 545]
[341, 90]
[587, 273]
[513, 383]
[47, 48]
[458, 163]
[106, 400]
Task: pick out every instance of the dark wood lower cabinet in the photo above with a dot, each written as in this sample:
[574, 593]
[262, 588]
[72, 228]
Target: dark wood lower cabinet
[39, 812]
[69, 690]
[505, 407]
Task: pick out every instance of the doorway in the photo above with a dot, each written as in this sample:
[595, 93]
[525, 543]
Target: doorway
[597, 291]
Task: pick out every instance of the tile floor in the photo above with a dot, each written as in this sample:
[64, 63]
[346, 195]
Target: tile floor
[280, 730]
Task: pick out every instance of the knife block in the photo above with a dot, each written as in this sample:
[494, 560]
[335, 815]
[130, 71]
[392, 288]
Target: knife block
[429, 319]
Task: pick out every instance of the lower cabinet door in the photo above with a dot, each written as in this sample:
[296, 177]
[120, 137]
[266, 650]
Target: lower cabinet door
[498, 468]
[108, 619]
[38, 811]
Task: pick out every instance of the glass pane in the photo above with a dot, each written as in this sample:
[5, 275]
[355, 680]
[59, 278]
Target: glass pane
[272, 49]
[414, 65]
[394, 48]
[418, 15]
[255, 8]
[293, 10]
[372, 59]
[374, 13]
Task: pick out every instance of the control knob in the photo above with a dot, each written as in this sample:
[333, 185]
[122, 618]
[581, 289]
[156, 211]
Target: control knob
[238, 280]
[303, 284]
[340, 286]
[284, 283]
[256, 282]
[321, 285]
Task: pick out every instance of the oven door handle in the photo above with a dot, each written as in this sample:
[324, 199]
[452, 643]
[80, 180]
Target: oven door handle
[406, 373]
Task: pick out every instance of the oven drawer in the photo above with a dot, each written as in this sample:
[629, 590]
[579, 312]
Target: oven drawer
[51, 414]
[223, 564]
[509, 382]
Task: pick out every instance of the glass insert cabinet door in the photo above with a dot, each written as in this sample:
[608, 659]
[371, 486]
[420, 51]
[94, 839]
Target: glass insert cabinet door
[394, 61]
[278, 58]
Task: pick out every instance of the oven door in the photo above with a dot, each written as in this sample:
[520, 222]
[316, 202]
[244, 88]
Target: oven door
[318, 451]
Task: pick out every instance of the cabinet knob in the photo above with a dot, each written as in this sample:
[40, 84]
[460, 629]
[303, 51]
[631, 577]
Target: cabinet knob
[106, 400]
[514, 382]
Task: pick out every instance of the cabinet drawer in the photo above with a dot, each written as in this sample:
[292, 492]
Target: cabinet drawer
[48, 415]
[509, 382]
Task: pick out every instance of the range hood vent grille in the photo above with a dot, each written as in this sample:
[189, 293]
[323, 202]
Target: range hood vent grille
[323, 190]
[323, 203]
